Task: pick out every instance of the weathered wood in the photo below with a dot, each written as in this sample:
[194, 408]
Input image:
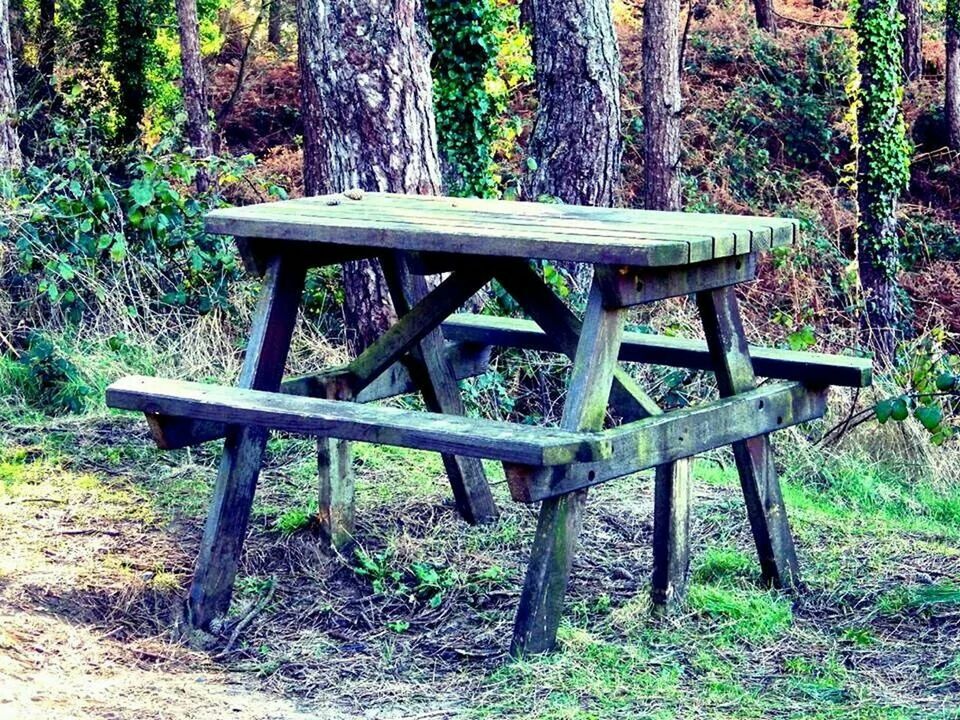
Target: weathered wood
[256, 253]
[226, 524]
[627, 286]
[564, 329]
[506, 229]
[436, 379]
[720, 315]
[815, 369]
[352, 421]
[561, 517]
[595, 456]
[335, 500]
[467, 359]
[671, 534]
[410, 329]
[662, 439]
[737, 234]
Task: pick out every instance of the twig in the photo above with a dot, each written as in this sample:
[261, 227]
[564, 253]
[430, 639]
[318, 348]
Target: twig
[89, 531]
[686, 32]
[241, 69]
[807, 23]
[244, 621]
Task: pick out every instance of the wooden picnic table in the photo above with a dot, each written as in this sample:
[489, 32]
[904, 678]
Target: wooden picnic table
[637, 257]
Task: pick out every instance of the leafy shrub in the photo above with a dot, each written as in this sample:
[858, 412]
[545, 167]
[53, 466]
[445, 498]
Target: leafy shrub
[92, 231]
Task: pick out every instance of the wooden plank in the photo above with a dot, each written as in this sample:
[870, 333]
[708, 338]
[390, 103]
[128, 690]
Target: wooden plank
[665, 438]
[816, 369]
[436, 379]
[350, 421]
[226, 525]
[518, 241]
[467, 360]
[629, 286]
[410, 329]
[745, 233]
[336, 494]
[764, 230]
[256, 253]
[561, 517]
[582, 459]
[720, 315]
[563, 328]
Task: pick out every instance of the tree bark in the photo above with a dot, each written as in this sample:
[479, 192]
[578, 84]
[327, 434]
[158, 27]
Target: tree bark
[881, 171]
[367, 106]
[274, 22]
[134, 36]
[766, 20]
[912, 38]
[194, 90]
[952, 89]
[47, 34]
[661, 104]
[10, 157]
[576, 133]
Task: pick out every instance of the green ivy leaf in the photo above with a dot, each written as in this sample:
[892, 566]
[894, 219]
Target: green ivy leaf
[899, 410]
[946, 381]
[883, 410]
[142, 192]
[930, 416]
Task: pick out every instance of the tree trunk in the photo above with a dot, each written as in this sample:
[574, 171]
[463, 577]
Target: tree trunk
[367, 108]
[9, 141]
[134, 35]
[912, 38]
[661, 104]
[15, 24]
[194, 92]
[576, 133]
[766, 20]
[882, 169]
[952, 90]
[47, 34]
[274, 22]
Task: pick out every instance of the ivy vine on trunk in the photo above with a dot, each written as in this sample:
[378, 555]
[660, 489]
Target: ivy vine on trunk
[465, 55]
[883, 165]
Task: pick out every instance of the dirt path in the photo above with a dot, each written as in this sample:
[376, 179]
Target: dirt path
[50, 668]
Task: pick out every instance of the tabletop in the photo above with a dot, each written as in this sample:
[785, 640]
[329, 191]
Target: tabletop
[499, 228]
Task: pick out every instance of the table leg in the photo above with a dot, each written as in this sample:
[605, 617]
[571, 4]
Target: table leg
[335, 499]
[558, 527]
[232, 501]
[671, 513]
[720, 314]
[435, 377]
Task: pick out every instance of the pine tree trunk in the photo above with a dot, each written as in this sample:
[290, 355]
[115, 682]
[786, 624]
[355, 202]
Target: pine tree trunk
[193, 87]
[367, 106]
[661, 104]
[766, 20]
[9, 141]
[576, 134]
[47, 34]
[134, 36]
[952, 89]
[274, 22]
[912, 38]
[881, 170]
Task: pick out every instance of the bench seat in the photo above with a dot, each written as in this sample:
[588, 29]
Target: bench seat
[814, 369]
[593, 456]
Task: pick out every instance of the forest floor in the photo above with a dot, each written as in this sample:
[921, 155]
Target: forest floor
[99, 532]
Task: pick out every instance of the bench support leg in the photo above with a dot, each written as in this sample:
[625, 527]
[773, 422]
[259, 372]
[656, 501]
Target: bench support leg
[335, 502]
[558, 527]
[720, 314]
[232, 501]
[435, 377]
[671, 541]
